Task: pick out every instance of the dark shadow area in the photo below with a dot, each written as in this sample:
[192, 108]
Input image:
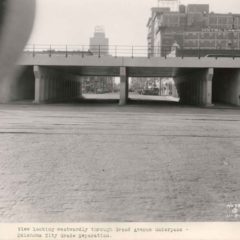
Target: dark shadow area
[153, 102]
[226, 87]
[93, 101]
[23, 86]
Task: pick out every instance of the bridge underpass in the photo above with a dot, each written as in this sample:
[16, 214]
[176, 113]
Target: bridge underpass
[199, 81]
[195, 86]
[57, 83]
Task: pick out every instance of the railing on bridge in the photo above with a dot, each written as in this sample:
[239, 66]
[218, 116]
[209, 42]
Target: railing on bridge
[129, 51]
[97, 50]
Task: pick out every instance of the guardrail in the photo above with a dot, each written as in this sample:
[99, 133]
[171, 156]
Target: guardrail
[97, 50]
[129, 51]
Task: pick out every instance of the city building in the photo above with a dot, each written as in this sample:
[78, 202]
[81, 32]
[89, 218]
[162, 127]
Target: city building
[192, 28]
[98, 46]
[99, 43]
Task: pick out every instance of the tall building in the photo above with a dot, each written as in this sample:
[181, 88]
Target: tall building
[98, 46]
[192, 27]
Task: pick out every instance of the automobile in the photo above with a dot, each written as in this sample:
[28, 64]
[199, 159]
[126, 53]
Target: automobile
[151, 91]
[101, 91]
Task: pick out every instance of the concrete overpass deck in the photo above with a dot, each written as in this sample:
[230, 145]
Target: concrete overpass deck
[199, 81]
[108, 61]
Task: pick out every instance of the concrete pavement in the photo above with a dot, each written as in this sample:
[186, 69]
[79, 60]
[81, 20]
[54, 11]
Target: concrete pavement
[63, 163]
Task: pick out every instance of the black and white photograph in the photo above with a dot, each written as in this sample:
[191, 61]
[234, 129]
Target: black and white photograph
[119, 111]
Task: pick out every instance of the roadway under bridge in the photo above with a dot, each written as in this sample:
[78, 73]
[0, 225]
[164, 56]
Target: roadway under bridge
[199, 81]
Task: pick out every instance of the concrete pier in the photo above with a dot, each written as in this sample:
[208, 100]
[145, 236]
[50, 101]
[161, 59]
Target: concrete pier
[123, 86]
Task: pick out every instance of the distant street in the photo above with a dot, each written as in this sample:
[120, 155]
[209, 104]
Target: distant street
[96, 162]
[132, 95]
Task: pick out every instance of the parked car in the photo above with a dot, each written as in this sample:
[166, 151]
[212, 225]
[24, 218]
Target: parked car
[151, 91]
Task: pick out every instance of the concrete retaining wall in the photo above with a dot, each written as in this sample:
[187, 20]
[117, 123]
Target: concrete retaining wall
[23, 86]
[195, 86]
[52, 85]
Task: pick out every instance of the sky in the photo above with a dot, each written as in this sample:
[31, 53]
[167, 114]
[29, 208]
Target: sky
[73, 21]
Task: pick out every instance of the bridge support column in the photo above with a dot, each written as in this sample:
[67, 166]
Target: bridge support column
[123, 86]
[79, 88]
[207, 87]
[195, 87]
[39, 85]
[53, 85]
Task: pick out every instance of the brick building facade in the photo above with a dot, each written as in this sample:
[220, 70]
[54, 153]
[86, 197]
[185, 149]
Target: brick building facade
[192, 27]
